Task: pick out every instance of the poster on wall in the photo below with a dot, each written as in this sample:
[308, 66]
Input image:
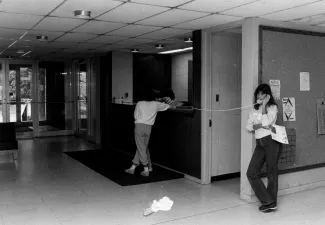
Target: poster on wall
[321, 115]
[304, 81]
[289, 109]
[275, 87]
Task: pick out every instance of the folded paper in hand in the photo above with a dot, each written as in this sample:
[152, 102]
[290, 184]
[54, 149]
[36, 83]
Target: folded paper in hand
[280, 135]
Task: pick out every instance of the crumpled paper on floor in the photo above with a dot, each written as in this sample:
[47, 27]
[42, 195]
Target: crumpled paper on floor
[164, 204]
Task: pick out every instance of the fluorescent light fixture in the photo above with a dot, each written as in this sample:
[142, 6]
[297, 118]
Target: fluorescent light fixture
[159, 46]
[188, 40]
[41, 38]
[26, 53]
[134, 50]
[177, 50]
[82, 14]
[20, 51]
[12, 44]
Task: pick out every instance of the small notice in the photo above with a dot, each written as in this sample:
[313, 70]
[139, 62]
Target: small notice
[275, 87]
[280, 135]
[289, 109]
[321, 115]
[304, 81]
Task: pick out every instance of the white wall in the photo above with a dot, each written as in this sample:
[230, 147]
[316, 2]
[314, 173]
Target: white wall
[180, 75]
[122, 75]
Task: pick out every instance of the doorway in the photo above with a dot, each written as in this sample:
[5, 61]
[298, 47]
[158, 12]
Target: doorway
[37, 100]
[86, 99]
[225, 96]
[17, 95]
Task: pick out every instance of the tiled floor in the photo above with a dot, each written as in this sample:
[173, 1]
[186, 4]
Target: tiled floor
[46, 187]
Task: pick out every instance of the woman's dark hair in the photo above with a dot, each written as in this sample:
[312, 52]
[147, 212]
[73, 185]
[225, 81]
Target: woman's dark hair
[148, 95]
[264, 89]
[169, 93]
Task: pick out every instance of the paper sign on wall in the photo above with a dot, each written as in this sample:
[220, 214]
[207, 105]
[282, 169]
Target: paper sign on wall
[321, 115]
[304, 81]
[275, 87]
[289, 109]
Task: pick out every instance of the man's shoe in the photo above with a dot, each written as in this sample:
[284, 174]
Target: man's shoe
[268, 208]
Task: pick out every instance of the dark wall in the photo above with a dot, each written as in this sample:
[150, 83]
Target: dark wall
[150, 71]
[54, 93]
[105, 98]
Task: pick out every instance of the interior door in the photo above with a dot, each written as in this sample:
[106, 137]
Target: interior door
[226, 94]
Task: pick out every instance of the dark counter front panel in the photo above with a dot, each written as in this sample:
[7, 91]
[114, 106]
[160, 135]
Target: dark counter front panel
[175, 139]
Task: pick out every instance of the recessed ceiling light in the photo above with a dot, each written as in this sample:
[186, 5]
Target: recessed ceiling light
[82, 14]
[177, 50]
[188, 40]
[42, 38]
[134, 50]
[159, 46]
[20, 51]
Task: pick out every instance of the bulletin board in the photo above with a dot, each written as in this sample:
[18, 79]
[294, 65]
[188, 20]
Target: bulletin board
[297, 59]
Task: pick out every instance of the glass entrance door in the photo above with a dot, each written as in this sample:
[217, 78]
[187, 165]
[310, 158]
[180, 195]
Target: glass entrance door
[85, 98]
[2, 93]
[82, 95]
[16, 78]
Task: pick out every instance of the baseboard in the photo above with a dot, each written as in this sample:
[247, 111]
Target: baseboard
[293, 190]
[225, 176]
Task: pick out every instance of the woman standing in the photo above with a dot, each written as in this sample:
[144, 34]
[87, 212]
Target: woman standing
[261, 119]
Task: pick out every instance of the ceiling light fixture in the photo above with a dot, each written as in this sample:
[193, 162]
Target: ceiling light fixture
[188, 40]
[26, 53]
[177, 50]
[41, 38]
[159, 46]
[12, 44]
[20, 51]
[82, 14]
[134, 50]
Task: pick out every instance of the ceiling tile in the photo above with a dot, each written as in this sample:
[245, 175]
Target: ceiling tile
[134, 30]
[135, 41]
[107, 48]
[264, 7]
[11, 33]
[4, 43]
[131, 12]
[56, 44]
[96, 7]
[58, 24]
[18, 21]
[170, 3]
[87, 45]
[164, 33]
[35, 7]
[297, 12]
[214, 5]
[172, 17]
[312, 20]
[208, 21]
[32, 34]
[98, 27]
[106, 39]
[76, 37]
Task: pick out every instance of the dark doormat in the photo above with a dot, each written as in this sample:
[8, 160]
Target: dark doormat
[111, 164]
